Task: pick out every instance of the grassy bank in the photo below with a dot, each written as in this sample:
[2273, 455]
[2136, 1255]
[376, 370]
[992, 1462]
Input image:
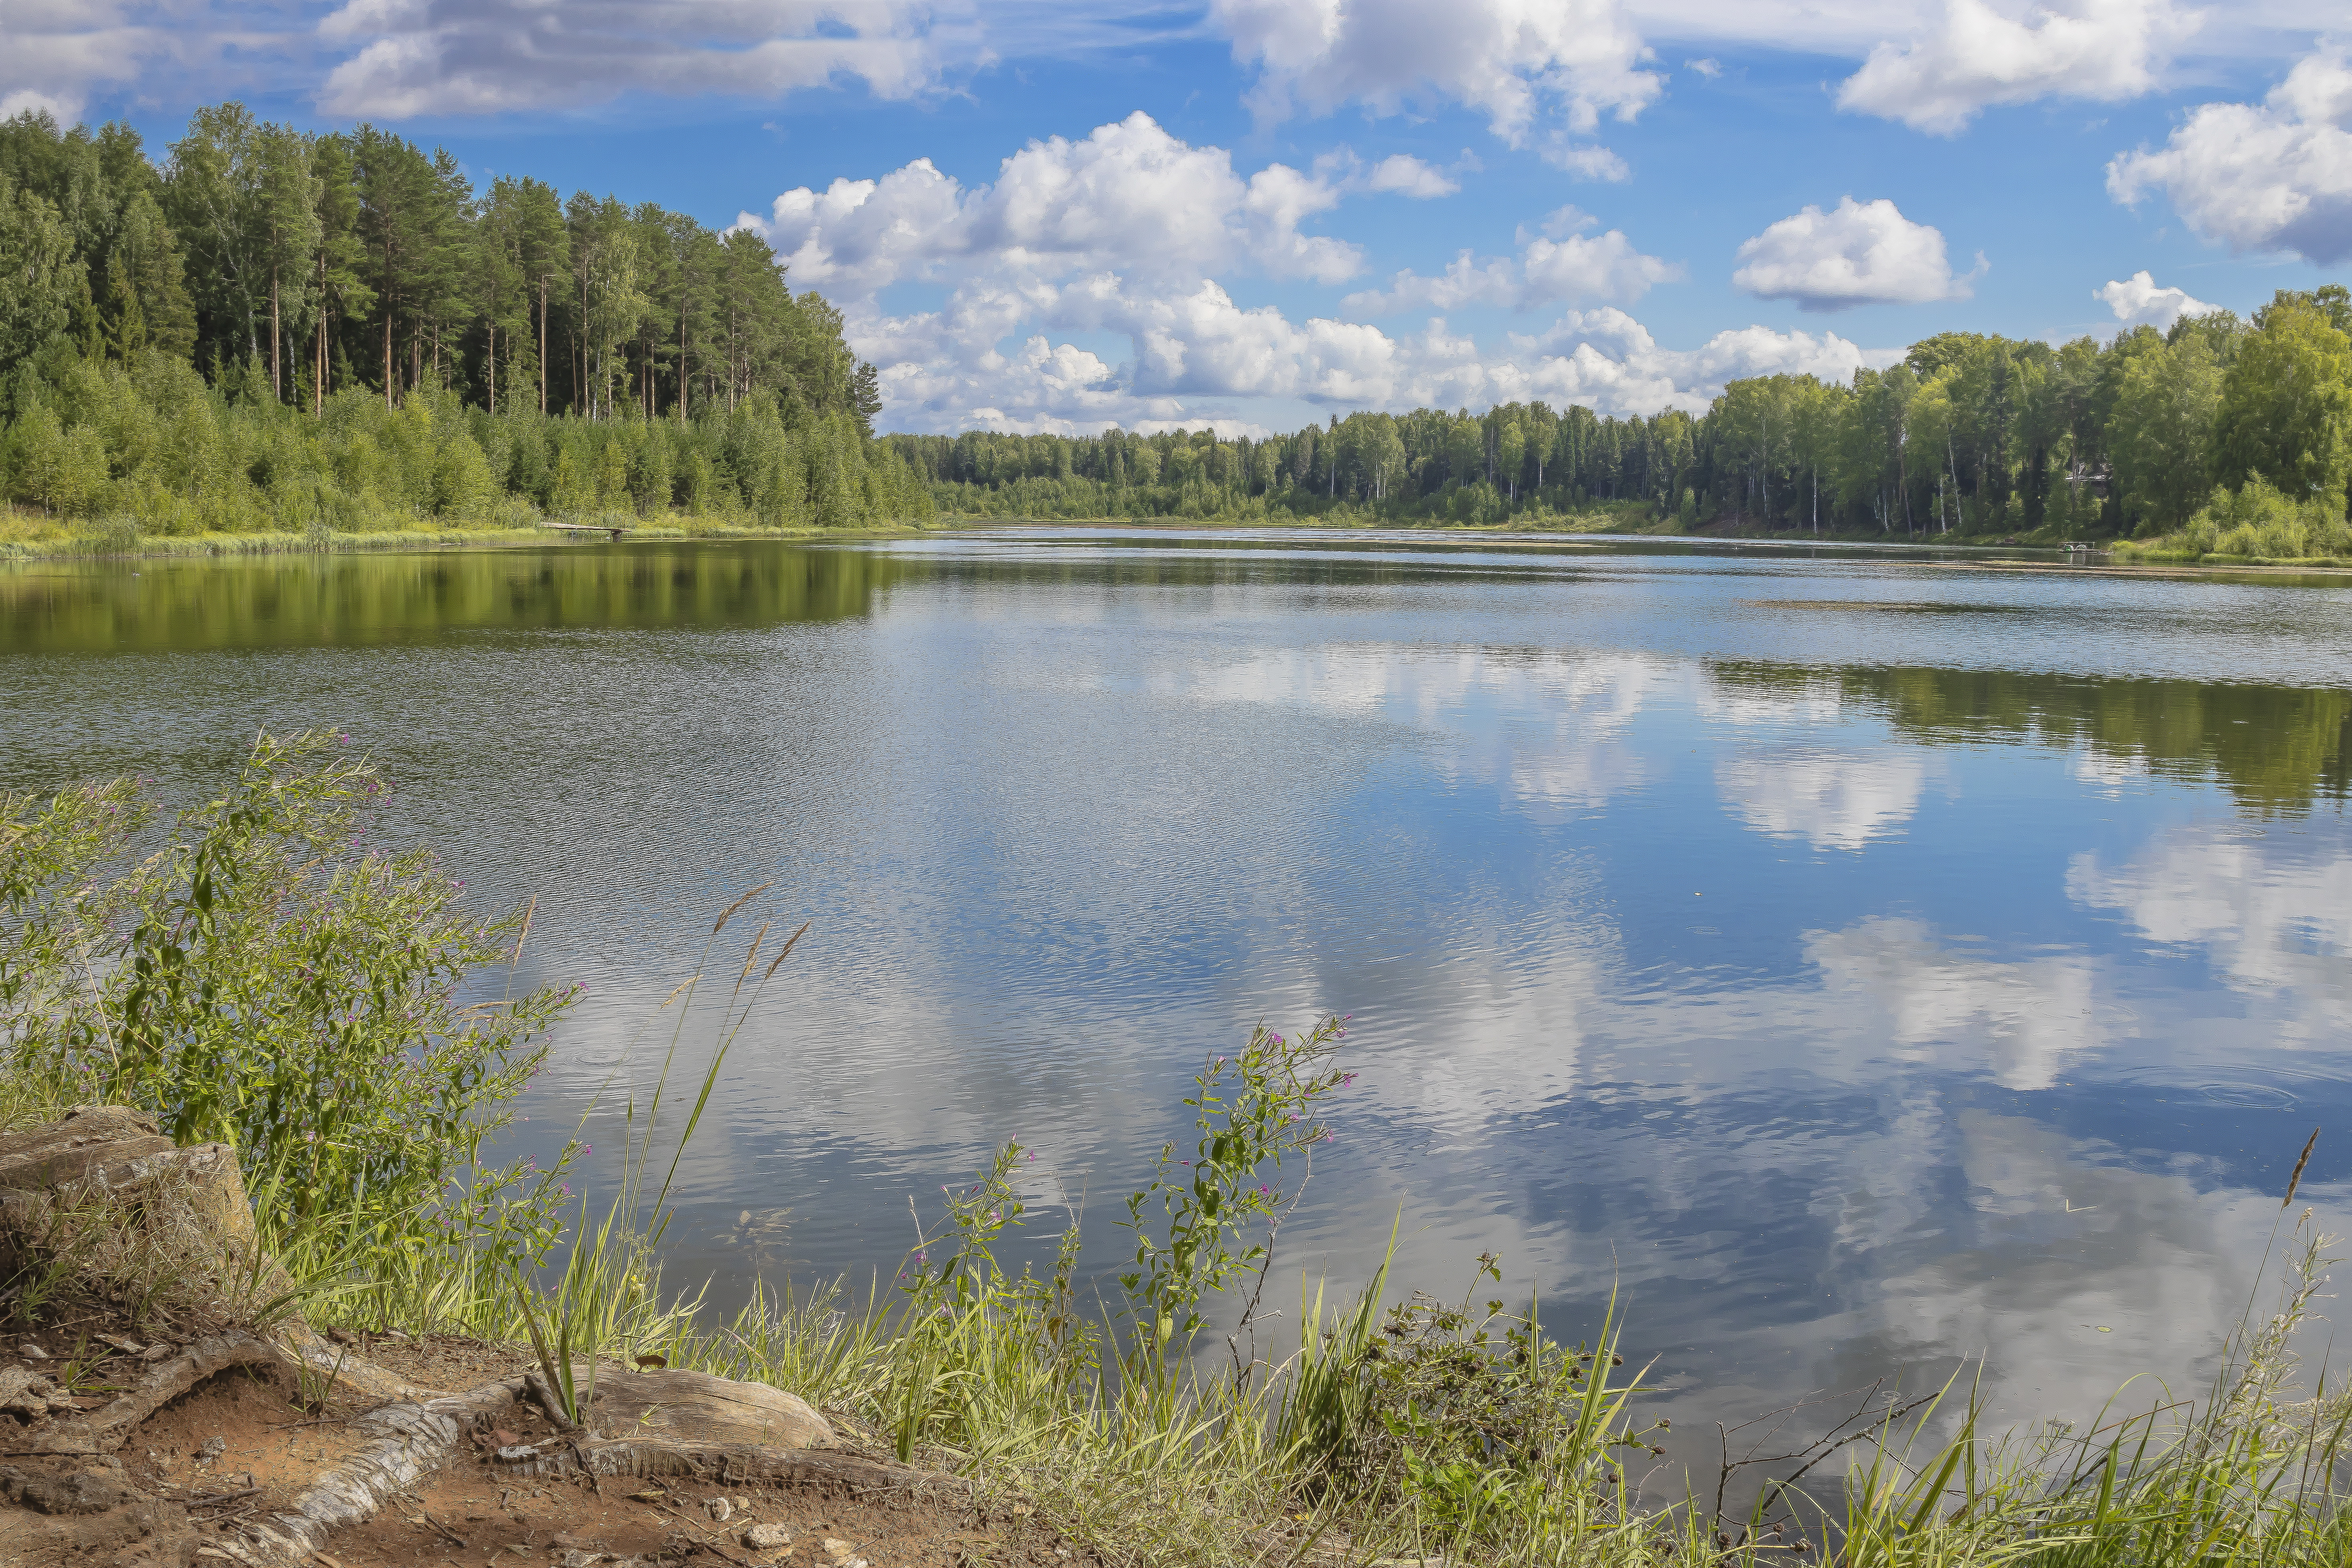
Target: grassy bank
[1620, 518]
[22, 540]
[23, 537]
[271, 981]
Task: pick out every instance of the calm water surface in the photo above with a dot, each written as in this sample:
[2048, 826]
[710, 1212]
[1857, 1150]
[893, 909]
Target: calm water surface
[1863, 963]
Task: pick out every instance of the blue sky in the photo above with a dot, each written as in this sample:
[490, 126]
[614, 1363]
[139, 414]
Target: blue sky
[1261, 211]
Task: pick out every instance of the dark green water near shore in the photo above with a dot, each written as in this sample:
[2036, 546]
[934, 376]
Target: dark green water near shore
[1861, 960]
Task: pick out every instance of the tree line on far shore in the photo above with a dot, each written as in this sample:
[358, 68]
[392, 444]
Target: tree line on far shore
[275, 330]
[1968, 435]
[270, 329]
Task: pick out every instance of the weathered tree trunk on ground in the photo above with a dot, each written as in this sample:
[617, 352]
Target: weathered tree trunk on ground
[103, 1197]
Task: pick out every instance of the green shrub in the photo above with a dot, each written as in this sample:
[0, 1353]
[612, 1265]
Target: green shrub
[2258, 522]
[267, 980]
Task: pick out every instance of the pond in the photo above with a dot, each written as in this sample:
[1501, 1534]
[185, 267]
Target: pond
[1859, 962]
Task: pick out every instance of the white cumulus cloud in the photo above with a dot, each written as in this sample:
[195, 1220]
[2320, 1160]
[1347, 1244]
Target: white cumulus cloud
[1519, 61]
[1576, 270]
[488, 57]
[1127, 197]
[1586, 161]
[54, 53]
[1407, 175]
[2105, 50]
[2137, 301]
[1862, 253]
[2271, 176]
[1132, 234]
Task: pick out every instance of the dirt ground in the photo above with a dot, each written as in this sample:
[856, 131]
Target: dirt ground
[238, 1447]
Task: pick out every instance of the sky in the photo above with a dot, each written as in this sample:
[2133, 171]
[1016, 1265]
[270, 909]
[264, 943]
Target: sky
[1259, 213]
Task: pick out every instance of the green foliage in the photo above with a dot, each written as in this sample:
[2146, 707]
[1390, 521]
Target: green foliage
[974, 1338]
[1251, 1110]
[2161, 431]
[571, 359]
[1484, 1425]
[2286, 405]
[266, 981]
[37, 286]
[155, 446]
[1517, 464]
[1973, 435]
[2257, 522]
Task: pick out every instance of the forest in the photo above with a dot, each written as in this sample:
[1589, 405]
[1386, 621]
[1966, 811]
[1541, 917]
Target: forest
[273, 330]
[2220, 432]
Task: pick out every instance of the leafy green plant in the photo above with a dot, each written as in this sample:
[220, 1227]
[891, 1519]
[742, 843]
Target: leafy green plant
[268, 980]
[314, 1386]
[1326, 1400]
[1252, 1111]
[967, 1326]
[1478, 1422]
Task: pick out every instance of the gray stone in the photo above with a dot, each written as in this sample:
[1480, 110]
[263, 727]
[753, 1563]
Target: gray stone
[25, 1393]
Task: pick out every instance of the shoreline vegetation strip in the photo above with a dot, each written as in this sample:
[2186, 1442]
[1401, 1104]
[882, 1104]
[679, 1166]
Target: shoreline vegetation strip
[1181, 1424]
[2116, 556]
[259, 330]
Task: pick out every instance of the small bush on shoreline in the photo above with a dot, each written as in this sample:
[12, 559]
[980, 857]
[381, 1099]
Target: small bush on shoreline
[2254, 523]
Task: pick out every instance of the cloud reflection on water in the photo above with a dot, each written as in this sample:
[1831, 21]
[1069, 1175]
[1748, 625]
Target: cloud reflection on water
[2274, 921]
[1831, 800]
[1796, 971]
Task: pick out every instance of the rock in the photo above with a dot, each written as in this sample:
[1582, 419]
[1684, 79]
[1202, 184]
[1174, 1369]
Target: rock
[32, 1351]
[696, 1407]
[89, 1491]
[767, 1537]
[26, 1393]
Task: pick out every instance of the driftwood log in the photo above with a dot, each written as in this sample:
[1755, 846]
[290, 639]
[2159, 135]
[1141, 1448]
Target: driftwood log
[105, 1191]
[726, 1463]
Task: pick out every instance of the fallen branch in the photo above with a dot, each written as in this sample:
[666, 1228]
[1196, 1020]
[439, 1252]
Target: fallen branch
[726, 1463]
[407, 1443]
[105, 1429]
